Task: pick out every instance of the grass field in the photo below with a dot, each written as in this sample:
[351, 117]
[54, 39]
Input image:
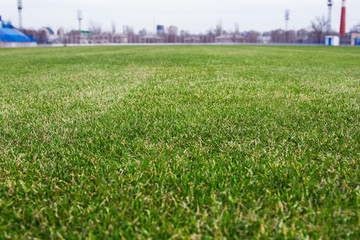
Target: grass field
[180, 142]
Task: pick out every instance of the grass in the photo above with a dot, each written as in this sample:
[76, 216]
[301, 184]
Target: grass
[200, 142]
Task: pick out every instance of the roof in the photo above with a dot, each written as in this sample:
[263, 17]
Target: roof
[51, 32]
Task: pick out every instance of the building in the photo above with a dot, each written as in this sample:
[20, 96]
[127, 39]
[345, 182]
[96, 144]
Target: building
[192, 39]
[44, 36]
[151, 39]
[230, 38]
[302, 36]
[172, 34]
[107, 37]
[265, 39]
[77, 37]
[332, 41]
[119, 38]
[160, 29]
[355, 39]
[50, 35]
[224, 38]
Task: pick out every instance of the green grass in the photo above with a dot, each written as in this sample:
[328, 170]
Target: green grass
[180, 142]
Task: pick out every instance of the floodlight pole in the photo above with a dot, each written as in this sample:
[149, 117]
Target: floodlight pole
[330, 4]
[80, 17]
[287, 17]
[20, 13]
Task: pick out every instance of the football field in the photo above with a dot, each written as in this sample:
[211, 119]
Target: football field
[180, 142]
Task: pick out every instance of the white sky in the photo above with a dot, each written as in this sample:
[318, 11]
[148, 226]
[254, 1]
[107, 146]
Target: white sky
[192, 15]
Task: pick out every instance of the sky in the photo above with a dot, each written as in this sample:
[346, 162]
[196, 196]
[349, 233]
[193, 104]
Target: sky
[195, 16]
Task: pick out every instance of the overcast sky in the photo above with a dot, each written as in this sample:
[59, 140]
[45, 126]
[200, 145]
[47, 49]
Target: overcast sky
[192, 15]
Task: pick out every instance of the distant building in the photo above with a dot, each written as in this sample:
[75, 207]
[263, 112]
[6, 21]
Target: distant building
[119, 38]
[237, 38]
[172, 34]
[192, 39]
[106, 37]
[332, 41]
[160, 29]
[355, 39]
[44, 36]
[230, 38]
[77, 37]
[278, 36]
[224, 39]
[302, 36]
[151, 39]
[142, 32]
[51, 37]
[173, 30]
[265, 39]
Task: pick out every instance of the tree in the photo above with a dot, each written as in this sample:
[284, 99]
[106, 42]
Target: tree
[172, 34]
[210, 36]
[319, 29]
[356, 28]
[113, 27]
[291, 36]
[252, 36]
[95, 28]
[129, 32]
[277, 36]
[218, 29]
[237, 28]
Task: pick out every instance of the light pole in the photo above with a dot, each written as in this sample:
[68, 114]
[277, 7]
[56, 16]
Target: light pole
[287, 17]
[20, 13]
[330, 4]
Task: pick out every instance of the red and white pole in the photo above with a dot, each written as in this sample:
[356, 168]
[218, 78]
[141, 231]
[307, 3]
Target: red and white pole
[343, 19]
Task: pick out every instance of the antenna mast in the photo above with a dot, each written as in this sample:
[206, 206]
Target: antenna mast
[20, 13]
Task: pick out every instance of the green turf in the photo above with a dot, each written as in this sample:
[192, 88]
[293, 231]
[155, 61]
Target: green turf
[180, 142]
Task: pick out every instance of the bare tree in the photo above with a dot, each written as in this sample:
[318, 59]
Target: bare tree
[291, 36]
[277, 36]
[172, 34]
[113, 27]
[210, 36]
[95, 28]
[218, 29]
[237, 28]
[319, 29]
[356, 28]
[252, 36]
[129, 31]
